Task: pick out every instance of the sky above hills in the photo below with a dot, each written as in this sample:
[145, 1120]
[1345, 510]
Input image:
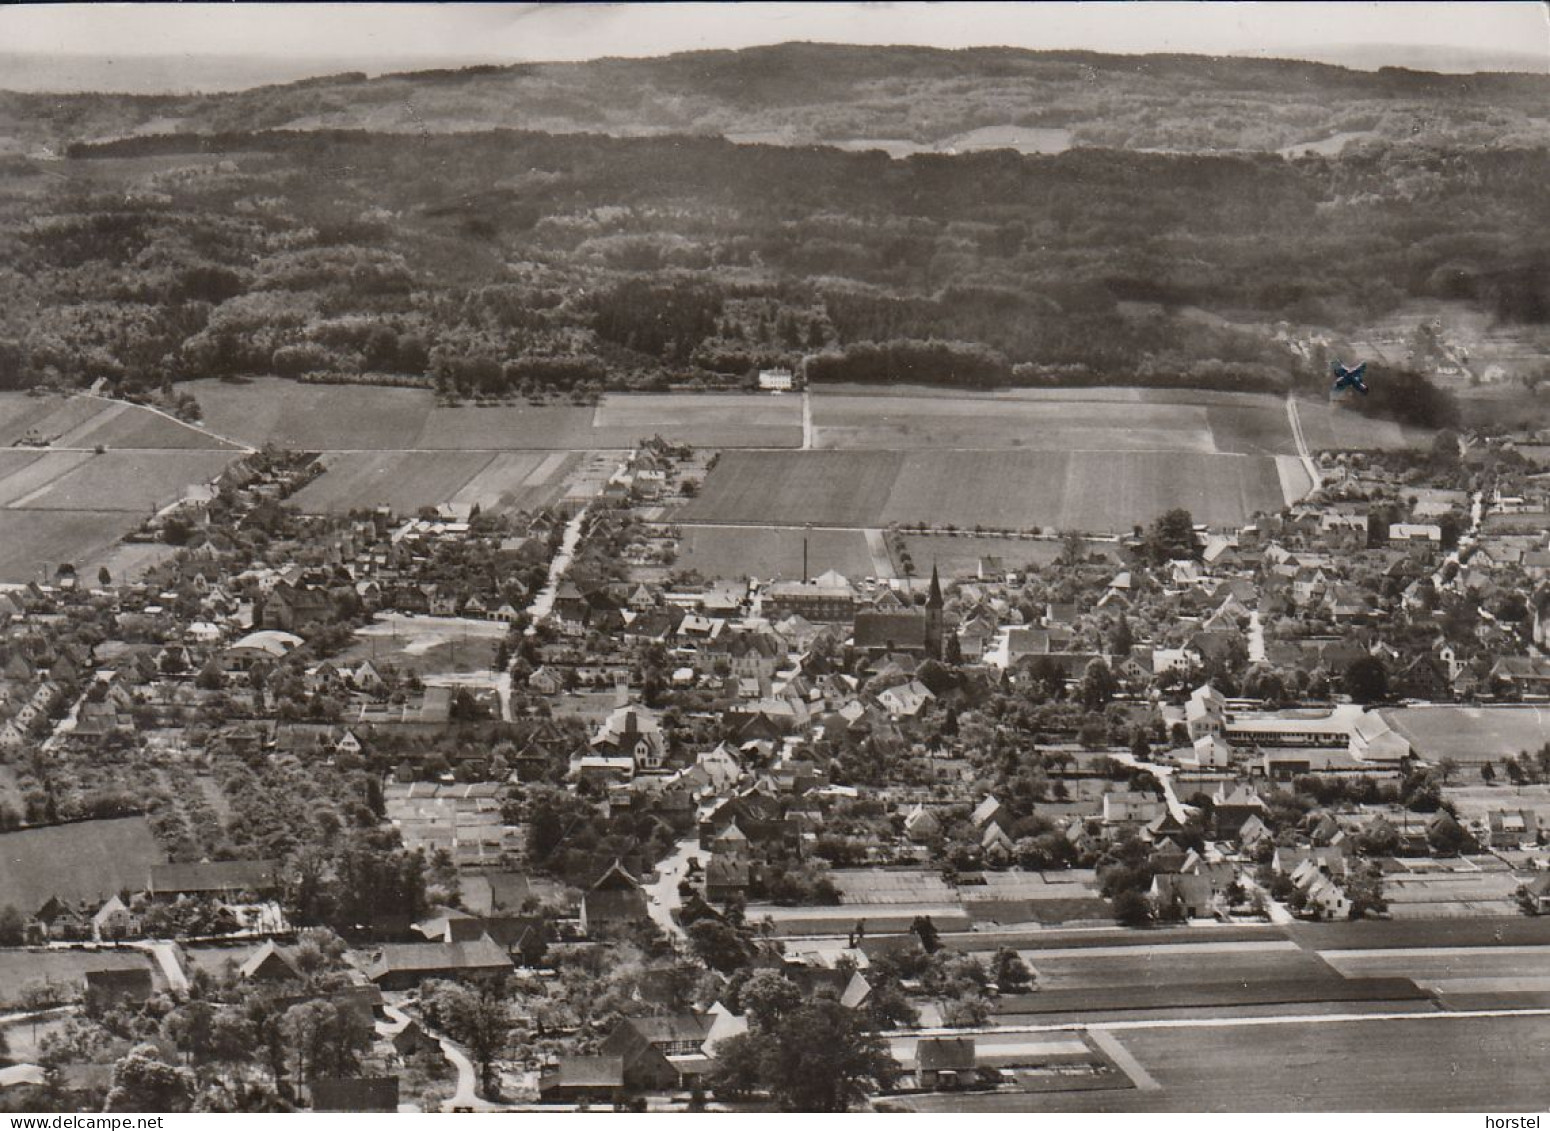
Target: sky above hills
[147, 47]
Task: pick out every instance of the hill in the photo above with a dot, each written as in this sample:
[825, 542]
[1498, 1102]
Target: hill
[508, 262]
[901, 99]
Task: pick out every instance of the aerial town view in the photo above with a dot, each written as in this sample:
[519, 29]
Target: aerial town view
[703, 558]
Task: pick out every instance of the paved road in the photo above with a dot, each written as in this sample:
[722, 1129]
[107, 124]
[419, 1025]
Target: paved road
[1256, 639]
[662, 897]
[544, 602]
[166, 956]
[1164, 776]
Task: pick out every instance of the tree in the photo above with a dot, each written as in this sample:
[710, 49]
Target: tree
[210, 677]
[767, 998]
[13, 927]
[480, 1020]
[739, 1066]
[1487, 773]
[326, 1039]
[889, 1007]
[142, 1081]
[1098, 685]
[1010, 972]
[1132, 909]
[822, 1058]
[1171, 536]
[718, 945]
[1446, 835]
[925, 930]
[104, 578]
[1366, 680]
[1447, 767]
[1122, 639]
[1364, 888]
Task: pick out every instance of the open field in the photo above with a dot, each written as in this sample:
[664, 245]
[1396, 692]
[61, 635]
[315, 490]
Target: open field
[59, 506]
[1471, 735]
[323, 417]
[792, 488]
[776, 552]
[1434, 1062]
[1203, 996]
[1328, 426]
[88, 860]
[85, 422]
[136, 427]
[1474, 799]
[881, 919]
[1447, 967]
[1168, 966]
[958, 555]
[31, 540]
[405, 481]
[1367, 934]
[887, 421]
[1095, 491]
[706, 420]
[1185, 420]
[426, 645]
[26, 470]
[55, 420]
[126, 480]
[518, 481]
[20, 969]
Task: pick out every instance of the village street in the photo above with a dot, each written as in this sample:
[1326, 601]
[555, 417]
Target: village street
[544, 602]
[662, 897]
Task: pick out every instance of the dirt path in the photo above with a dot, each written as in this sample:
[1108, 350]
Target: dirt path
[1302, 443]
[882, 560]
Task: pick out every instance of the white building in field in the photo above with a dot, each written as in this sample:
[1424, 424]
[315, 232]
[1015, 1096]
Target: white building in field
[776, 380]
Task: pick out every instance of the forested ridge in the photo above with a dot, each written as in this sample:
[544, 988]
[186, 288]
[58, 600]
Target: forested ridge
[802, 93]
[507, 261]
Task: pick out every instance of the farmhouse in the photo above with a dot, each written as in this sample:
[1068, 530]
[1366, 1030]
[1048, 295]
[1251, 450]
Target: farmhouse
[402, 966]
[615, 900]
[223, 877]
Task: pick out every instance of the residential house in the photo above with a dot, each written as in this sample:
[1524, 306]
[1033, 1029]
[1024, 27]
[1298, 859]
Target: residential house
[945, 1064]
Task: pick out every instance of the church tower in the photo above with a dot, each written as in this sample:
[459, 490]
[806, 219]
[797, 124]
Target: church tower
[934, 617]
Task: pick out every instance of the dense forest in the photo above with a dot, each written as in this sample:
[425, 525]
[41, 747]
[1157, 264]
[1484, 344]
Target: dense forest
[509, 262]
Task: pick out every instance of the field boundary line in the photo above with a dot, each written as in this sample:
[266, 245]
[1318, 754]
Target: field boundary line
[203, 431]
[1128, 1064]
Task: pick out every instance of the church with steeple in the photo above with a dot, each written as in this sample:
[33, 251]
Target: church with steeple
[892, 625]
[934, 617]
